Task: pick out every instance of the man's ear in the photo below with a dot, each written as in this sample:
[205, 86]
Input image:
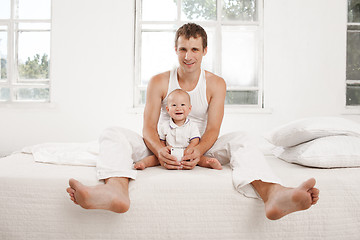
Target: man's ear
[205, 51]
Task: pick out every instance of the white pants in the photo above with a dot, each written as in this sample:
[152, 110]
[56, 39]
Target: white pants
[120, 148]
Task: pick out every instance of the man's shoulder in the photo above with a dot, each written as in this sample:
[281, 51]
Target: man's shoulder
[161, 77]
[159, 83]
[213, 78]
[214, 81]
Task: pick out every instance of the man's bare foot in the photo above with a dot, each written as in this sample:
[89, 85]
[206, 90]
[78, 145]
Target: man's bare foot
[282, 201]
[149, 161]
[209, 163]
[112, 196]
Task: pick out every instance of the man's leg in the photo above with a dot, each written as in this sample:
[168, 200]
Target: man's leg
[113, 195]
[119, 148]
[254, 178]
[280, 201]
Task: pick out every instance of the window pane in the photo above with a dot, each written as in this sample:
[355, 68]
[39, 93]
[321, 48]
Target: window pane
[159, 10]
[353, 11]
[353, 95]
[4, 9]
[157, 54]
[208, 61]
[34, 9]
[244, 10]
[239, 56]
[34, 26]
[37, 94]
[33, 56]
[198, 10]
[4, 94]
[142, 97]
[3, 53]
[242, 97]
[353, 55]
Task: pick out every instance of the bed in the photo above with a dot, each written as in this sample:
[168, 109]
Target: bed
[197, 204]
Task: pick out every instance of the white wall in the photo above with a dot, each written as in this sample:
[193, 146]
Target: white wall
[93, 52]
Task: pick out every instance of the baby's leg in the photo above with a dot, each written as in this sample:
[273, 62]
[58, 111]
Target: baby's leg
[209, 163]
[149, 161]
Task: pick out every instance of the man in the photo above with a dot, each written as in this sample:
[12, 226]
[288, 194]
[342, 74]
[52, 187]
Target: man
[119, 148]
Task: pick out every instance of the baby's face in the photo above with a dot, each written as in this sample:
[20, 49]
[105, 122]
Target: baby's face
[178, 106]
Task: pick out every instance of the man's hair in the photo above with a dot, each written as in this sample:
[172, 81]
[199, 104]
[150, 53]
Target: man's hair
[189, 30]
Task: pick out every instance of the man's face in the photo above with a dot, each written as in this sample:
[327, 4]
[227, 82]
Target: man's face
[178, 106]
[190, 53]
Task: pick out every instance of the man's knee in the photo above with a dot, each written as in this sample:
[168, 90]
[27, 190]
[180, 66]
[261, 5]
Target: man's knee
[112, 133]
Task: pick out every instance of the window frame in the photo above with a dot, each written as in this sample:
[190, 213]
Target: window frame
[258, 27]
[13, 81]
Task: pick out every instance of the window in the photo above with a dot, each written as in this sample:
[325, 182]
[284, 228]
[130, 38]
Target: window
[25, 50]
[234, 29]
[353, 54]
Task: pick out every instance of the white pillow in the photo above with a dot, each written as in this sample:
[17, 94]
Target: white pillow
[307, 129]
[326, 152]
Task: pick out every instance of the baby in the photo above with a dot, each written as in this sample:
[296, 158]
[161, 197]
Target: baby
[179, 133]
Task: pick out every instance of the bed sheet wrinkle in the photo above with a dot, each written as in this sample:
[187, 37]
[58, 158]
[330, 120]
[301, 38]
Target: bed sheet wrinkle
[78, 154]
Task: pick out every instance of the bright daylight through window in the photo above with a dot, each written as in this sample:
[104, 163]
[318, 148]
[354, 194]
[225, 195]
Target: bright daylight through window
[234, 29]
[25, 50]
[353, 54]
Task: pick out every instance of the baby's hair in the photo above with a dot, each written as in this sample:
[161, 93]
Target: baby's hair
[179, 91]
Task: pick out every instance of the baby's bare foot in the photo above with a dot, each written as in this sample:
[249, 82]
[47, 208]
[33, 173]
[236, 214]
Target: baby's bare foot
[140, 165]
[214, 163]
[149, 161]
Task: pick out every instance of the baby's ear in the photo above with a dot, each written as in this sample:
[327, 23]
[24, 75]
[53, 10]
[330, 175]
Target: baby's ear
[167, 109]
[190, 107]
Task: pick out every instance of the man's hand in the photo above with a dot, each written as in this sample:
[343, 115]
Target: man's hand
[167, 160]
[191, 158]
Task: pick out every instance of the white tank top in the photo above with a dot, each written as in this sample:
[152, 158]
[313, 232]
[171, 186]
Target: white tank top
[199, 110]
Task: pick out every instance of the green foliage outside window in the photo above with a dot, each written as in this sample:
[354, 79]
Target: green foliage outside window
[232, 9]
[3, 69]
[36, 68]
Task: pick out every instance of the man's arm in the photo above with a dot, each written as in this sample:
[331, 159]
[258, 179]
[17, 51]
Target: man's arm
[156, 92]
[216, 92]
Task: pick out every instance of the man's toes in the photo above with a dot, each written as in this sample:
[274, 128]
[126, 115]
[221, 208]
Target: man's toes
[70, 190]
[74, 184]
[315, 192]
[315, 200]
[308, 184]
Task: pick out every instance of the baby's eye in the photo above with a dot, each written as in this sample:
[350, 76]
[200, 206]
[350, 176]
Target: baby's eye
[183, 104]
[174, 105]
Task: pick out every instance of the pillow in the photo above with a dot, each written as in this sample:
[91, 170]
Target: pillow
[307, 129]
[326, 152]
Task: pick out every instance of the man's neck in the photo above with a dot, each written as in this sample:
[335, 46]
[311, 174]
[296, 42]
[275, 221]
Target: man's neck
[188, 77]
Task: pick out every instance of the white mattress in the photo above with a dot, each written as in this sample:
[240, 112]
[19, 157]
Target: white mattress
[197, 204]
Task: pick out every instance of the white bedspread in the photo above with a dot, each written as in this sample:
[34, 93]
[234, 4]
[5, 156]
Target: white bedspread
[77, 154]
[197, 204]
